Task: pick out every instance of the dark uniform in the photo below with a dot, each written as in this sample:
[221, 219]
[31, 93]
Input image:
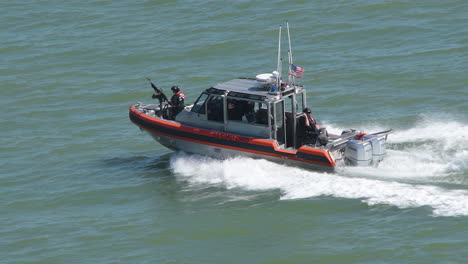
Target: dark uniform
[307, 131]
[177, 101]
[235, 111]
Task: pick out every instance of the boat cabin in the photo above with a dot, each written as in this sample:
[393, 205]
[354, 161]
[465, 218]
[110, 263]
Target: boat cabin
[249, 107]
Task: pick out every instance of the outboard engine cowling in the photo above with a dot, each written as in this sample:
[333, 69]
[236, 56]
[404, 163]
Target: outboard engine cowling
[358, 153]
[378, 148]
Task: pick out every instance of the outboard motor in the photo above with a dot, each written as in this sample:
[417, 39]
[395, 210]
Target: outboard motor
[378, 148]
[358, 153]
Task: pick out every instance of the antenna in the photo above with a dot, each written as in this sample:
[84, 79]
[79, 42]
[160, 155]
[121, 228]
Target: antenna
[290, 56]
[278, 68]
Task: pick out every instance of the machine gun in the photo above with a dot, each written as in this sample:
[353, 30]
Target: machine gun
[158, 93]
[165, 109]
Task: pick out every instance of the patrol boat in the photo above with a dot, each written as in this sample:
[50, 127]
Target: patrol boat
[258, 118]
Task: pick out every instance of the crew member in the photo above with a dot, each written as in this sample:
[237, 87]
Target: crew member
[235, 111]
[307, 131]
[177, 100]
[249, 111]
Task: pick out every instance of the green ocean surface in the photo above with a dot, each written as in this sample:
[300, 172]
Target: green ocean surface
[79, 183]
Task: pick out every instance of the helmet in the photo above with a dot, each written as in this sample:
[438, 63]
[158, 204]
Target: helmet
[307, 110]
[175, 89]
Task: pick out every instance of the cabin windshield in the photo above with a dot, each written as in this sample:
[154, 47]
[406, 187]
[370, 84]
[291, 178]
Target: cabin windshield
[199, 106]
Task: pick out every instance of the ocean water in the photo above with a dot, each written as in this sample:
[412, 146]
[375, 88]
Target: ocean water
[79, 183]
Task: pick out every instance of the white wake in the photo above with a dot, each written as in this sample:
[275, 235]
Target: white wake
[425, 166]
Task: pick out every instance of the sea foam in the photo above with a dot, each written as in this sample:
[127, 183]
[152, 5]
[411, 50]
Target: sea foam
[418, 160]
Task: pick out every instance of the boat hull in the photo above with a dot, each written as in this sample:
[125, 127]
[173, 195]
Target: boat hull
[176, 136]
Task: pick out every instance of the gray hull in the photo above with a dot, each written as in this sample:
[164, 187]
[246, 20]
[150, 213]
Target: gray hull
[225, 153]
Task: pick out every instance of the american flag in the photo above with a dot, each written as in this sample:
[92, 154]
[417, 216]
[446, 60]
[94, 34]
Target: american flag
[296, 71]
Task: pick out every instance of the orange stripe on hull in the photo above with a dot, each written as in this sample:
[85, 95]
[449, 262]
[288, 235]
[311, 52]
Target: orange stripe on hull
[279, 153]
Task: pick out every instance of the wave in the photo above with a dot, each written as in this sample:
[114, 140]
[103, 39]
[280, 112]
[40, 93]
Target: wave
[425, 150]
[426, 166]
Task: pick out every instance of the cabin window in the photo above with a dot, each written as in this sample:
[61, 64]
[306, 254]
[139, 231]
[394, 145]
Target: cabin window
[215, 107]
[261, 114]
[199, 106]
[280, 122]
[245, 111]
[240, 110]
[279, 115]
[289, 108]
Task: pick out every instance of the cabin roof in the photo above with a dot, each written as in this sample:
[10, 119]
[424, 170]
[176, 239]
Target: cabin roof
[248, 88]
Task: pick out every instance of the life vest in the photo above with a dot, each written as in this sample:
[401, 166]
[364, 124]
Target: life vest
[310, 119]
[181, 95]
[360, 136]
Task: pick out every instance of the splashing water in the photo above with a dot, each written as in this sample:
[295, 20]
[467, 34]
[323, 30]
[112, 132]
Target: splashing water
[426, 150]
[418, 159]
